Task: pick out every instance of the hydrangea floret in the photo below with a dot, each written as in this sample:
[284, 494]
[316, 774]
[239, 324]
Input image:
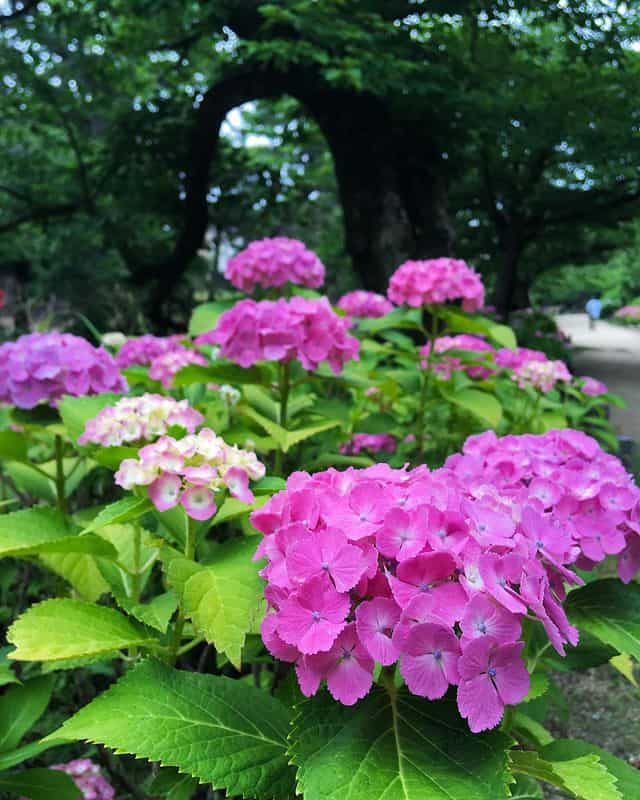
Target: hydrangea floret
[190, 472]
[166, 366]
[533, 368]
[629, 312]
[87, 777]
[437, 571]
[364, 304]
[281, 330]
[273, 263]
[436, 281]
[593, 387]
[143, 349]
[42, 367]
[372, 442]
[135, 419]
[463, 341]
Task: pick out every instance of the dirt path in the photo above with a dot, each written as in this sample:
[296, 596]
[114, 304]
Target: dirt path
[610, 353]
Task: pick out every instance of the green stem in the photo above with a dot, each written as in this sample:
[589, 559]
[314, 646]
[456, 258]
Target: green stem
[190, 552]
[284, 387]
[136, 576]
[425, 382]
[60, 480]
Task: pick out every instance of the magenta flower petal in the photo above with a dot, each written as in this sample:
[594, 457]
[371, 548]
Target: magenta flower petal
[164, 492]
[375, 624]
[199, 502]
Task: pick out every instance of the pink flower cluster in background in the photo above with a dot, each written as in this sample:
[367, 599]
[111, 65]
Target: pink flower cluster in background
[143, 349]
[190, 471]
[437, 281]
[373, 442]
[593, 387]
[513, 359]
[88, 778]
[437, 571]
[45, 366]
[464, 341]
[135, 419]
[365, 304]
[274, 262]
[307, 330]
[629, 312]
[532, 368]
[166, 366]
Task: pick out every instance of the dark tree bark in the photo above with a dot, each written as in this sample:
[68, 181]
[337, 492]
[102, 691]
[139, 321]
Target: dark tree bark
[392, 200]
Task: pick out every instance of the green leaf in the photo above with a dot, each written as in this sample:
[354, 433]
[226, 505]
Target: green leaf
[205, 316]
[81, 571]
[77, 411]
[483, 405]
[628, 777]
[610, 611]
[125, 510]
[526, 788]
[112, 457]
[232, 508]
[224, 599]
[538, 685]
[20, 708]
[530, 730]
[625, 666]
[222, 372]
[584, 777]
[41, 784]
[268, 485]
[551, 420]
[170, 784]
[398, 318]
[13, 446]
[44, 530]
[7, 675]
[502, 335]
[42, 486]
[286, 439]
[394, 748]
[63, 628]
[212, 728]
[376, 423]
[156, 613]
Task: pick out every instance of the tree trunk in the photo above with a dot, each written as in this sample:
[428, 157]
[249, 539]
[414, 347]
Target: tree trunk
[507, 279]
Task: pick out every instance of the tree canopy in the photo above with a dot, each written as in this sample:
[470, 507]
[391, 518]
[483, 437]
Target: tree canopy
[506, 132]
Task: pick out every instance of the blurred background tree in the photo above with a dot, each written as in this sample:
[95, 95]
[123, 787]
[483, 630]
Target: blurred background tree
[142, 143]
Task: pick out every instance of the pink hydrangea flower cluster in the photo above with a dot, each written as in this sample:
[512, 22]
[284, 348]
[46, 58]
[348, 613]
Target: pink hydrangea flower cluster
[437, 571]
[373, 442]
[274, 262]
[629, 312]
[88, 778]
[143, 349]
[513, 359]
[542, 375]
[593, 387]
[464, 341]
[437, 281]
[45, 366]
[307, 330]
[166, 366]
[190, 471]
[135, 419]
[365, 304]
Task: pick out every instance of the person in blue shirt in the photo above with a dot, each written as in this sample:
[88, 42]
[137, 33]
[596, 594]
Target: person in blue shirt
[593, 309]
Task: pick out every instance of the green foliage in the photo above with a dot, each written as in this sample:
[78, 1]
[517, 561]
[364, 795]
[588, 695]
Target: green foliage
[40, 784]
[585, 777]
[396, 747]
[235, 738]
[20, 707]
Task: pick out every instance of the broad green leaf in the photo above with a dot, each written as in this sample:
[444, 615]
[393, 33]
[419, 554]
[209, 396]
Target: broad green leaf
[590, 652]
[295, 437]
[63, 628]
[625, 666]
[212, 728]
[40, 784]
[205, 316]
[13, 446]
[538, 685]
[394, 748]
[77, 411]
[20, 708]
[610, 611]
[338, 460]
[43, 486]
[133, 560]
[551, 420]
[262, 402]
[7, 675]
[156, 613]
[171, 785]
[224, 599]
[112, 457]
[526, 788]
[628, 777]
[268, 485]
[125, 510]
[530, 730]
[502, 335]
[286, 439]
[233, 508]
[222, 372]
[21, 754]
[483, 405]
[45, 530]
[585, 777]
[80, 570]
[398, 318]
[376, 423]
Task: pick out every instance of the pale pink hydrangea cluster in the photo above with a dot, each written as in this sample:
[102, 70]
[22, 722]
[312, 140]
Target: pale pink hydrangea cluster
[629, 312]
[166, 366]
[513, 359]
[274, 262]
[190, 471]
[88, 778]
[437, 571]
[135, 419]
[364, 304]
[463, 341]
[143, 349]
[45, 366]
[372, 442]
[281, 330]
[593, 387]
[436, 281]
[532, 368]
